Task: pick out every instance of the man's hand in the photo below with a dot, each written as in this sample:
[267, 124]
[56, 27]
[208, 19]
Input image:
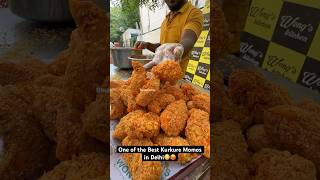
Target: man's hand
[141, 45]
[146, 45]
[169, 51]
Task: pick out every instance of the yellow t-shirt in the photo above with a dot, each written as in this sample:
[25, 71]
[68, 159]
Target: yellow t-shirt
[188, 17]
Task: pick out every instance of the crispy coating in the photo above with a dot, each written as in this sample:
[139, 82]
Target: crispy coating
[174, 90]
[87, 166]
[257, 138]
[118, 109]
[94, 119]
[120, 132]
[251, 89]
[59, 64]
[48, 103]
[71, 138]
[141, 170]
[161, 102]
[148, 92]
[200, 101]
[198, 130]
[242, 82]
[49, 80]
[239, 114]
[145, 126]
[231, 157]
[168, 71]
[220, 33]
[294, 129]
[138, 78]
[26, 150]
[87, 65]
[21, 72]
[225, 109]
[164, 140]
[117, 83]
[221, 103]
[309, 105]
[279, 165]
[189, 90]
[174, 118]
[25, 146]
[128, 99]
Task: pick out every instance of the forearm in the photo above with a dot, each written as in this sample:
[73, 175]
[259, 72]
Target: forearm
[152, 47]
[188, 40]
[187, 45]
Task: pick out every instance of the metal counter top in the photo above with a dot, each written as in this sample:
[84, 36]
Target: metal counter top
[19, 37]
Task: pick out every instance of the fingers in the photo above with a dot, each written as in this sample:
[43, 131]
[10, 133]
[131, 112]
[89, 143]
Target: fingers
[137, 44]
[149, 65]
[140, 45]
[178, 52]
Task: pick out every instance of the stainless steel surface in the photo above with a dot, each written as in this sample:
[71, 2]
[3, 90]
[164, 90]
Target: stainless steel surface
[19, 37]
[45, 10]
[120, 56]
[117, 73]
[296, 91]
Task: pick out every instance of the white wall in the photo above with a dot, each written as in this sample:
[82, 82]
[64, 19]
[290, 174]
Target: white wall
[126, 36]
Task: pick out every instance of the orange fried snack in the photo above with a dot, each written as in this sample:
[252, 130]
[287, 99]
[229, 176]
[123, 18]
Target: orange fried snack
[48, 104]
[169, 71]
[21, 72]
[141, 170]
[249, 88]
[257, 138]
[279, 165]
[161, 102]
[200, 101]
[309, 105]
[138, 78]
[25, 149]
[87, 66]
[164, 140]
[118, 109]
[230, 151]
[189, 90]
[60, 63]
[117, 83]
[198, 130]
[145, 126]
[174, 90]
[294, 129]
[128, 99]
[71, 137]
[148, 92]
[94, 118]
[88, 166]
[174, 117]
[49, 80]
[120, 132]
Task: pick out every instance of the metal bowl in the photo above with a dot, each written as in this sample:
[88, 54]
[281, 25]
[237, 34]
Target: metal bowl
[120, 56]
[45, 10]
[140, 58]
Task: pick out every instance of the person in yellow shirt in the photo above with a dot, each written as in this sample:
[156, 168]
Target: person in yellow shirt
[179, 32]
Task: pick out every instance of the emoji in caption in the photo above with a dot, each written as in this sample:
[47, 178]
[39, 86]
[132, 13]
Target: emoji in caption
[167, 157]
[173, 157]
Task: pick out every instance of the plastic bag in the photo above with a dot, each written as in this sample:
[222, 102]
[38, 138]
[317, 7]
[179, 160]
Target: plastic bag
[169, 51]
